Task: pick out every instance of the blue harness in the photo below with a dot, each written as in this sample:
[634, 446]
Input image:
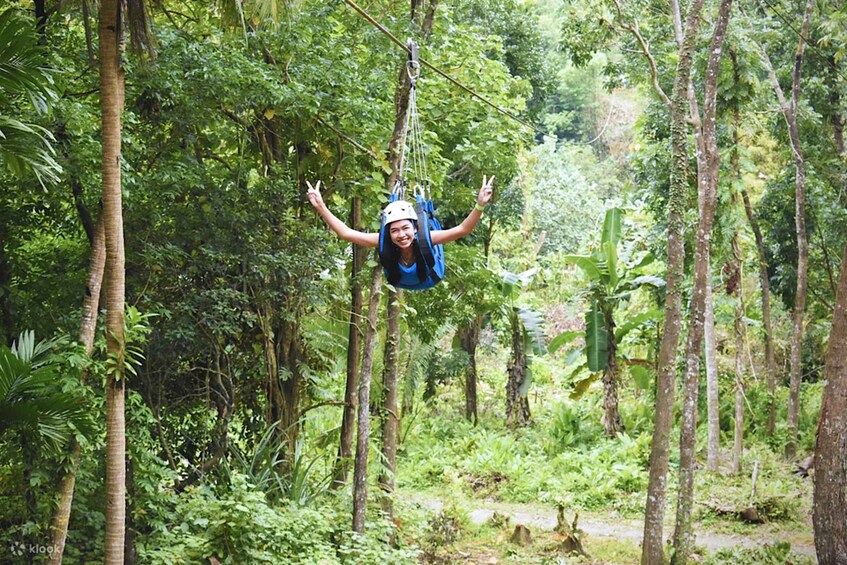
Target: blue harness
[428, 269]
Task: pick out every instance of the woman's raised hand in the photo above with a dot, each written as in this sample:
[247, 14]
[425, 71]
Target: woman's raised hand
[314, 194]
[486, 191]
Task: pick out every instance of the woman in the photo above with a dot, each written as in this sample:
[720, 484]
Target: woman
[401, 225]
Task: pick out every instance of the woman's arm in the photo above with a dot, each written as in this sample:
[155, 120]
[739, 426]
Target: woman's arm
[336, 225]
[469, 223]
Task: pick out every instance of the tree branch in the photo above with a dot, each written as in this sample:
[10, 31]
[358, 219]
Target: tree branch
[645, 50]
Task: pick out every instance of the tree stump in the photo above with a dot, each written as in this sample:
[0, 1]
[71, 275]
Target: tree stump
[521, 535]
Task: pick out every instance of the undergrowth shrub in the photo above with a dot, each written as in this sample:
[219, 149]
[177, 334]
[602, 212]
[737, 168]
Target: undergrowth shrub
[776, 554]
[240, 526]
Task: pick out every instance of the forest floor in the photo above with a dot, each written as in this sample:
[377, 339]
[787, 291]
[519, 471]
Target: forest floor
[607, 537]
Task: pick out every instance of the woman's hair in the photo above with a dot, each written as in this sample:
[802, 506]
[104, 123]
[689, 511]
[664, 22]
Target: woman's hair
[392, 262]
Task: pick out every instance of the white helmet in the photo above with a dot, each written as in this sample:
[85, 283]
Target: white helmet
[399, 210]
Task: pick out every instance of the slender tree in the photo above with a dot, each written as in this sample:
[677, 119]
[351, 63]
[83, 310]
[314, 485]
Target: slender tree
[708, 171]
[395, 149]
[738, 330]
[789, 112]
[652, 549]
[360, 470]
[390, 419]
[830, 495]
[713, 449]
[348, 419]
[112, 101]
[91, 300]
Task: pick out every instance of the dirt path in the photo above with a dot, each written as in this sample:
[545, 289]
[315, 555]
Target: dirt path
[616, 528]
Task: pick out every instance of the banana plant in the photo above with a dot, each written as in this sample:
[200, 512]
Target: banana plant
[527, 336]
[610, 282]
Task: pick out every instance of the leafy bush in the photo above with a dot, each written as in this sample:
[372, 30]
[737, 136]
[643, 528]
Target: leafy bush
[240, 526]
[776, 554]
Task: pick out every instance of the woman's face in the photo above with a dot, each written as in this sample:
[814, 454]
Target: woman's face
[402, 233]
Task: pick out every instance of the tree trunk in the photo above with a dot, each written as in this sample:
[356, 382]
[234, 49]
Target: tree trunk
[390, 419]
[764, 283]
[789, 112]
[469, 339]
[111, 99]
[345, 445]
[611, 416]
[830, 495]
[360, 471]
[709, 169]
[517, 405]
[395, 147]
[652, 550]
[91, 300]
[738, 433]
[713, 451]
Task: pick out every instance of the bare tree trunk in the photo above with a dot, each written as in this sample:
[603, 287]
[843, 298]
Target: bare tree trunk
[789, 112]
[707, 184]
[713, 449]
[652, 550]
[96, 266]
[469, 338]
[360, 471]
[345, 445]
[830, 496]
[389, 407]
[738, 434]
[111, 97]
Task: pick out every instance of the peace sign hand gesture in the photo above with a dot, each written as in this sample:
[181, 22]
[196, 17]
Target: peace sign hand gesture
[486, 191]
[314, 194]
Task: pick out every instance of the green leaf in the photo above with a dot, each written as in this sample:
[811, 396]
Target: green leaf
[587, 264]
[635, 322]
[641, 375]
[596, 339]
[611, 252]
[563, 339]
[612, 227]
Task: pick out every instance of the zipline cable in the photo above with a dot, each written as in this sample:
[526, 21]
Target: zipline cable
[388, 34]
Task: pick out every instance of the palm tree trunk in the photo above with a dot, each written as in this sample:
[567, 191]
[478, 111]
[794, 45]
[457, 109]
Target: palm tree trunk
[111, 96]
[652, 549]
[830, 495]
[713, 450]
[707, 189]
[96, 266]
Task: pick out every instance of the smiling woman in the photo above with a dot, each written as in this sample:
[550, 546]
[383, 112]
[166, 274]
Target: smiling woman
[405, 240]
